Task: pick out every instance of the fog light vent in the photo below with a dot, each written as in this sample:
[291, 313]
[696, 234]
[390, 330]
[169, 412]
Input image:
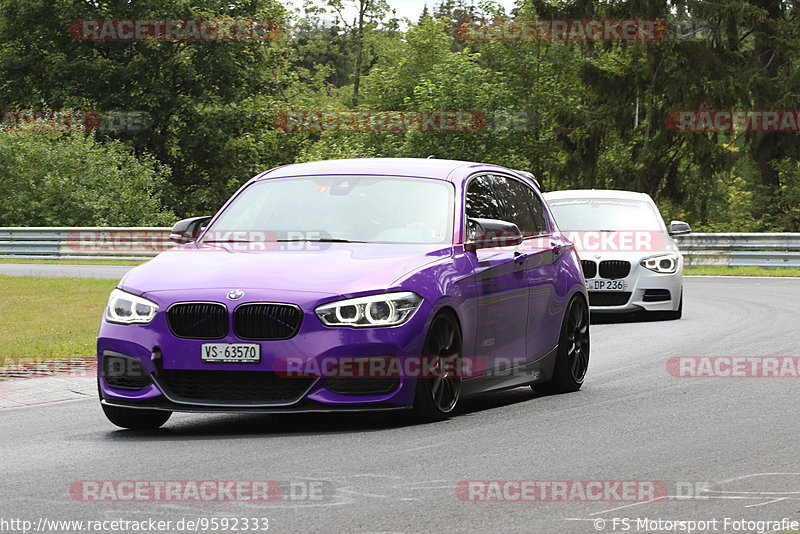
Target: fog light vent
[123, 372]
[656, 295]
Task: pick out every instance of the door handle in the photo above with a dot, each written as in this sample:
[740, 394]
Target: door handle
[556, 248]
[519, 257]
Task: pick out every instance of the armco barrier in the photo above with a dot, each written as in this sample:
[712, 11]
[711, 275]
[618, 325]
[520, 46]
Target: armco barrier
[741, 249]
[70, 243]
[140, 243]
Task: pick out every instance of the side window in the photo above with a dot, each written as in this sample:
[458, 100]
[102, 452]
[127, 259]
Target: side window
[537, 209]
[481, 200]
[522, 206]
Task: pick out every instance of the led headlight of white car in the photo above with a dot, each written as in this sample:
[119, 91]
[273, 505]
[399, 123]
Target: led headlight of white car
[665, 264]
[129, 309]
[387, 309]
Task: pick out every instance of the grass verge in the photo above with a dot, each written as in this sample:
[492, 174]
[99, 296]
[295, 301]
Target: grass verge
[721, 270]
[51, 317]
[71, 262]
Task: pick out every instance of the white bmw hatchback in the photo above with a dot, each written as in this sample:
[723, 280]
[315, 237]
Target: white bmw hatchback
[630, 261]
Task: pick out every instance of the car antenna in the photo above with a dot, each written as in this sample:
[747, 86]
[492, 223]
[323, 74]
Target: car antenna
[431, 157]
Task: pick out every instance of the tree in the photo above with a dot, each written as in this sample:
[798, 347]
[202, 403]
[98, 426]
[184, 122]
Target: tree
[57, 179]
[368, 13]
[210, 103]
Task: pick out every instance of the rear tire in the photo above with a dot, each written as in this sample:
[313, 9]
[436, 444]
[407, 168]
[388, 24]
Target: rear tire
[572, 358]
[436, 397]
[134, 418]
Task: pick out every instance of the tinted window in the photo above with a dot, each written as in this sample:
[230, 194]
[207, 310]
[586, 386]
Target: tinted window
[522, 206]
[481, 201]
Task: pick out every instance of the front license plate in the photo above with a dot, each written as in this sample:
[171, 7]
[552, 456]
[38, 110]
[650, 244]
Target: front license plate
[605, 285]
[231, 352]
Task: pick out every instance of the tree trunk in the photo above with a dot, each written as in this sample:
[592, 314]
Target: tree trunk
[362, 8]
[767, 59]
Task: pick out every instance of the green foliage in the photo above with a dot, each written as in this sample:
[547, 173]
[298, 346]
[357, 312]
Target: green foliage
[52, 179]
[576, 114]
[198, 95]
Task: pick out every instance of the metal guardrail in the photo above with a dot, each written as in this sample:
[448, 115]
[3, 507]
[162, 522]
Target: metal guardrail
[741, 249]
[140, 243]
[86, 243]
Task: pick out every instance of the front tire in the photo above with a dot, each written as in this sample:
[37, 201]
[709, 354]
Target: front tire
[436, 397]
[572, 358]
[134, 418]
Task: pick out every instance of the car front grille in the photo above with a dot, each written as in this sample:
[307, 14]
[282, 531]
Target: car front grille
[608, 298]
[198, 320]
[263, 321]
[613, 269]
[230, 387]
[254, 321]
[589, 269]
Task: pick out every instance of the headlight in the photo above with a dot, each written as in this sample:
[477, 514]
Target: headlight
[128, 309]
[661, 264]
[388, 309]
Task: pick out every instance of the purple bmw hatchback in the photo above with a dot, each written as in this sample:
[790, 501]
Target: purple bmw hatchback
[350, 285]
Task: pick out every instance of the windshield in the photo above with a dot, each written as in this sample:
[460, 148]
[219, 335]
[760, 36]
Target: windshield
[613, 214]
[364, 209]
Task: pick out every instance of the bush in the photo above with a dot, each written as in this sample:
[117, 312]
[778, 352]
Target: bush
[70, 179]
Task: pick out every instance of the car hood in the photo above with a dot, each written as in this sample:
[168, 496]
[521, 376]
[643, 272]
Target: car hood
[332, 268]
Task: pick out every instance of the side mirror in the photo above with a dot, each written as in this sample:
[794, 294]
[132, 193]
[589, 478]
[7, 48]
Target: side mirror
[679, 228]
[187, 230]
[488, 233]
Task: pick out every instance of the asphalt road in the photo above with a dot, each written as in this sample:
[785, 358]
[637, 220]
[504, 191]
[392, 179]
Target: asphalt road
[732, 442]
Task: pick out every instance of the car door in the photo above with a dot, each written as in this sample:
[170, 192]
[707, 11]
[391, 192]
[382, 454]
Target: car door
[540, 252]
[502, 285]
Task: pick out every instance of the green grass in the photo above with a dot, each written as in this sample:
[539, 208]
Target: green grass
[51, 317]
[715, 270]
[72, 262]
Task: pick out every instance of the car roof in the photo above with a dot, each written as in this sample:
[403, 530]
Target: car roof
[597, 193]
[442, 169]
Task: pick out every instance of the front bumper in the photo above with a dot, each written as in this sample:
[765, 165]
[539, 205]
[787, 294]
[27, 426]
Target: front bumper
[177, 379]
[645, 290]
